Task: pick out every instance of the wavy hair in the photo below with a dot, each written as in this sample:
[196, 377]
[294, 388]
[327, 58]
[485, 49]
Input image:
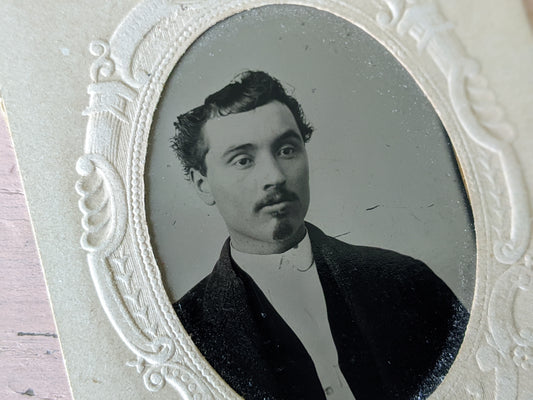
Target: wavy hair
[249, 90]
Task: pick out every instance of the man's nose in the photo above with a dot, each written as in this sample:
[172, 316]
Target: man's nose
[273, 173]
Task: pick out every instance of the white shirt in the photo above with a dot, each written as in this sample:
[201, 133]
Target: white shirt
[290, 282]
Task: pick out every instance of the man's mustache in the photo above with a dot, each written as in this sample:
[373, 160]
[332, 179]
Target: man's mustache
[274, 197]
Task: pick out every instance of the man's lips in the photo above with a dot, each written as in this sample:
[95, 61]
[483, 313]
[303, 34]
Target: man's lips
[278, 206]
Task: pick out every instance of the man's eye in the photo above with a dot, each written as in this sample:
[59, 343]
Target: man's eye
[287, 151]
[242, 161]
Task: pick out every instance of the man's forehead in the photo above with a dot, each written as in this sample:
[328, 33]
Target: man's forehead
[262, 123]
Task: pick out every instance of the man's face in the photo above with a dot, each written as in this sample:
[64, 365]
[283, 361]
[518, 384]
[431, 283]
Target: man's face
[258, 176]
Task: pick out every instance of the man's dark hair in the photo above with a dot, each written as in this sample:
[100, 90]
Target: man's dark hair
[249, 90]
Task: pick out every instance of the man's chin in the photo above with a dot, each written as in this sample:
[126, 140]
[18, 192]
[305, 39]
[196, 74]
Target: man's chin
[289, 231]
[282, 231]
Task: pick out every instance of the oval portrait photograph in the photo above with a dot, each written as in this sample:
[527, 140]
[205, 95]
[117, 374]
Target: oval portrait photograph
[308, 213]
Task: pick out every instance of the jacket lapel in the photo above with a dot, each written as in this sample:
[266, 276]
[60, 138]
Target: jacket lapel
[342, 272]
[225, 292]
[263, 358]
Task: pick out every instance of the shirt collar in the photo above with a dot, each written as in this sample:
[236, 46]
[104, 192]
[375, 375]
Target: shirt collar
[299, 257]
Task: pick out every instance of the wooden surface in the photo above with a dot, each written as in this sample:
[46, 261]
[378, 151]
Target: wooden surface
[31, 365]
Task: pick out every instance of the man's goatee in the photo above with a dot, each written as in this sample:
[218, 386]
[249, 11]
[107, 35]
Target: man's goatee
[283, 230]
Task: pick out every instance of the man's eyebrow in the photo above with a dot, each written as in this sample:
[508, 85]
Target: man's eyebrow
[235, 148]
[290, 134]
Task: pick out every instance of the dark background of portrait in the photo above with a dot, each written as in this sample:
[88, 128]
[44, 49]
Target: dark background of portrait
[383, 172]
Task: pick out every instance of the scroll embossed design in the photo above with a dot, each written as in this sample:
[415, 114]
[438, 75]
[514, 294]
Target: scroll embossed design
[102, 203]
[474, 103]
[106, 94]
[131, 305]
[156, 351]
[506, 347]
[103, 67]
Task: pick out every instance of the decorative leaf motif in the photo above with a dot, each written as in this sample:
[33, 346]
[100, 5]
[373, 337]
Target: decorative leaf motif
[138, 304]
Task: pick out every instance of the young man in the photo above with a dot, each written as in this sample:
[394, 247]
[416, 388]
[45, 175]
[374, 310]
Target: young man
[289, 312]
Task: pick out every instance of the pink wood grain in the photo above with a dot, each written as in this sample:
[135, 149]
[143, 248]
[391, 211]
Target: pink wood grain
[31, 364]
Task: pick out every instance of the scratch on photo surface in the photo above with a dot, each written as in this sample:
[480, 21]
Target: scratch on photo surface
[342, 234]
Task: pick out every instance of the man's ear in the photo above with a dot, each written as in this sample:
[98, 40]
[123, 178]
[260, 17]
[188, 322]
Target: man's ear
[201, 184]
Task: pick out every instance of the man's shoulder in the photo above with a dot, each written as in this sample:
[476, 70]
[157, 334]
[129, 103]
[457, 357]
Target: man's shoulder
[381, 278]
[190, 306]
[195, 300]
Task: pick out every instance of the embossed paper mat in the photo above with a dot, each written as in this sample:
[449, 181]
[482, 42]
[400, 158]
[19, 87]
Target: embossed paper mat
[473, 59]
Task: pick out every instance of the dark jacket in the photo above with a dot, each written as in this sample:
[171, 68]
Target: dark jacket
[397, 327]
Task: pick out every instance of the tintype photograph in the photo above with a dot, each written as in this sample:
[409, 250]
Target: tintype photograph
[250, 199]
[308, 213]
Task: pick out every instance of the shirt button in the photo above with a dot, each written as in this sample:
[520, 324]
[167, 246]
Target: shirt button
[329, 391]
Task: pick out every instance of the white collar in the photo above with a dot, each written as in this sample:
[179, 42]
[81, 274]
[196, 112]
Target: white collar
[299, 258]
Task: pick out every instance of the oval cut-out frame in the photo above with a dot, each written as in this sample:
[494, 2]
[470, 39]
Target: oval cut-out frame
[128, 76]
